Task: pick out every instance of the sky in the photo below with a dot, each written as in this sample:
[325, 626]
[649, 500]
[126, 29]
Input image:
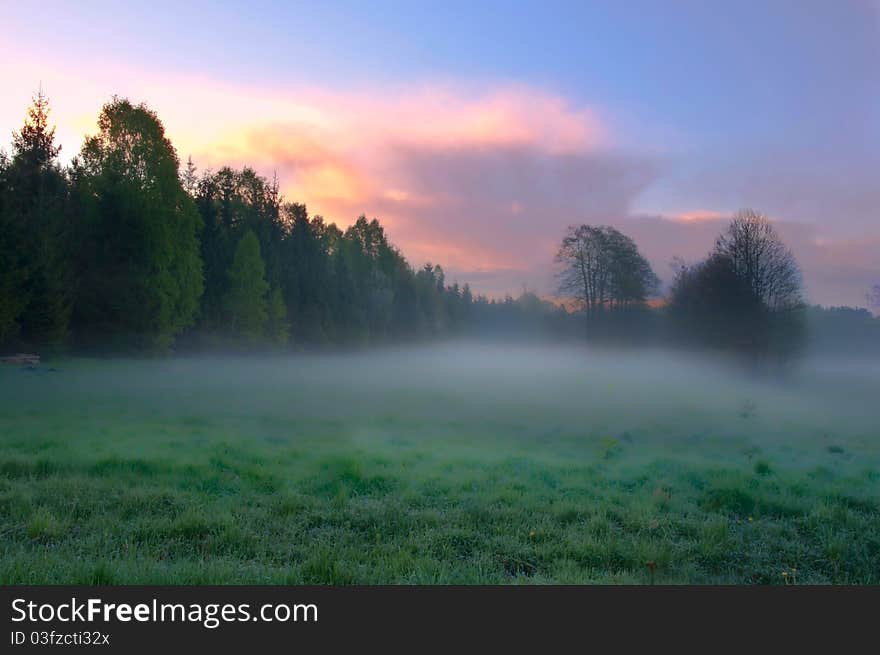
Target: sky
[477, 131]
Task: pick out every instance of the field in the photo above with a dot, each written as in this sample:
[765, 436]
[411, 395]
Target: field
[456, 464]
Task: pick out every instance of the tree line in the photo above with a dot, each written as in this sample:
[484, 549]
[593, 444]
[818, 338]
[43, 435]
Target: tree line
[125, 249]
[121, 249]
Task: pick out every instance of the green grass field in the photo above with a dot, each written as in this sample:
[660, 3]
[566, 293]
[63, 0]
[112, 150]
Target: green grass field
[457, 464]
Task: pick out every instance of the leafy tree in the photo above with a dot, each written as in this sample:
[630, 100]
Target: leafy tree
[713, 306]
[746, 296]
[245, 301]
[603, 269]
[633, 280]
[138, 263]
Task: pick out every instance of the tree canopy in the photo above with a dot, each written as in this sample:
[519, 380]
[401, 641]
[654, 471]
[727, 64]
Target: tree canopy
[603, 269]
[746, 296]
[137, 231]
[760, 257]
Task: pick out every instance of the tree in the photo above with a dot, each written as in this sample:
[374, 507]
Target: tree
[277, 328]
[34, 280]
[430, 283]
[633, 280]
[35, 142]
[759, 256]
[745, 297]
[138, 261]
[189, 179]
[603, 269]
[246, 302]
[307, 274]
[12, 270]
[231, 202]
[385, 286]
[711, 305]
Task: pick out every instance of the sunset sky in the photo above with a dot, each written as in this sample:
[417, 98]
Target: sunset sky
[476, 131]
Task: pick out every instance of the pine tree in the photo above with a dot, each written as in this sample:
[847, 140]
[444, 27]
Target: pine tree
[189, 179]
[34, 282]
[35, 142]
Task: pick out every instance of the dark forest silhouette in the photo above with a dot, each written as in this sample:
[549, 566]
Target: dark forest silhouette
[125, 250]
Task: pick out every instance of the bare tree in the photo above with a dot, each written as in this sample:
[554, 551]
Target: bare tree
[602, 268]
[584, 272]
[760, 257]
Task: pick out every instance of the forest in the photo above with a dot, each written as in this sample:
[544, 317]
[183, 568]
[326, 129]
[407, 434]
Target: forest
[128, 249]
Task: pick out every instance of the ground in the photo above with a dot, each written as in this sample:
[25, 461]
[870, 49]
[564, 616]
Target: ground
[457, 464]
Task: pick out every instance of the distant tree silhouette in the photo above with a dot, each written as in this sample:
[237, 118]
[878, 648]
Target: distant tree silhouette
[745, 297]
[847, 330]
[759, 256]
[603, 269]
[713, 306]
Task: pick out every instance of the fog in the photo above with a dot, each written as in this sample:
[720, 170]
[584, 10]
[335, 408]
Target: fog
[470, 390]
[458, 463]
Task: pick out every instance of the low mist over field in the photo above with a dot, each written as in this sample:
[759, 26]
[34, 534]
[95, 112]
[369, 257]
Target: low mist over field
[461, 462]
[536, 390]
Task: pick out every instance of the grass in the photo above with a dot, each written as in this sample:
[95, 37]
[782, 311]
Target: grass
[449, 466]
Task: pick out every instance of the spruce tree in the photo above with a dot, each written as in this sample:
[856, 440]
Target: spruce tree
[34, 281]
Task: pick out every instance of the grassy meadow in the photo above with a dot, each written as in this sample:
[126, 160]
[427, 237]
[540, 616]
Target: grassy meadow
[454, 464]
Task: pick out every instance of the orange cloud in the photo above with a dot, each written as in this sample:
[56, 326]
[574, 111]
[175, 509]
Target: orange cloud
[698, 215]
